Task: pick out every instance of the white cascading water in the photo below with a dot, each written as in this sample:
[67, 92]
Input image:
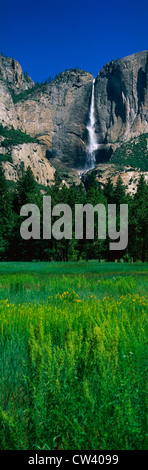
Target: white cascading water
[92, 142]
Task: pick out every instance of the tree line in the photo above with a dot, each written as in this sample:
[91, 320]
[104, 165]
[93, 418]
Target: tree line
[27, 190]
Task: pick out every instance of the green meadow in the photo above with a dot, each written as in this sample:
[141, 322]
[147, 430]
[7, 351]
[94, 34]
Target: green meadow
[73, 356]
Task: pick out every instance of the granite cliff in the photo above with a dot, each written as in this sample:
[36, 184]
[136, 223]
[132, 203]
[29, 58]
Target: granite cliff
[56, 113]
[121, 100]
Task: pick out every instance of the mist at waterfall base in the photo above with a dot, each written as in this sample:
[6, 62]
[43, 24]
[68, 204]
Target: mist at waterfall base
[92, 140]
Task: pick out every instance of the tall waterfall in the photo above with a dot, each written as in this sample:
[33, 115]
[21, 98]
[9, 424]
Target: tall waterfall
[92, 142]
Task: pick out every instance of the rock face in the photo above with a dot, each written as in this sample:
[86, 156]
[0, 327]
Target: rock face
[57, 112]
[12, 80]
[11, 73]
[57, 115]
[8, 116]
[32, 155]
[121, 102]
[103, 171]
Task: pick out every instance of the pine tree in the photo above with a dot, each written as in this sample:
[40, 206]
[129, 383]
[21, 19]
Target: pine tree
[26, 192]
[6, 216]
[119, 192]
[109, 191]
[138, 223]
[27, 188]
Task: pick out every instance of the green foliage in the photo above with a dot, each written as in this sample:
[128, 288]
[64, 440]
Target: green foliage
[27, 282]
[68, 75]
[26, 187]
[6, 217]
[13, 247]
[133, 153]
[138, 222]
[14, 137]
[5, 157]
[26, 75]
[29, 93]
[109, 191]
[73, 369]
[7, 432]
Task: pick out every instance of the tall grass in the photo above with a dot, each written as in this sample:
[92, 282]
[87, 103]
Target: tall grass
[28, 282]
[73, 366]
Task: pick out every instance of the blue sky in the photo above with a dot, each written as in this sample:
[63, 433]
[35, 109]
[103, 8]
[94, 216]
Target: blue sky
[48, 36]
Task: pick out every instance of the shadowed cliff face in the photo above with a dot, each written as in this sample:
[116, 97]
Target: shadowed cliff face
[121, 100]
[57, 115]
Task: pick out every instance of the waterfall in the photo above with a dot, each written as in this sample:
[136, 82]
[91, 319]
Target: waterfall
[92, 141]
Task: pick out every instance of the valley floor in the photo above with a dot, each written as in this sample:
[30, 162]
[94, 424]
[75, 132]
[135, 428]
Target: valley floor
[73, 356]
